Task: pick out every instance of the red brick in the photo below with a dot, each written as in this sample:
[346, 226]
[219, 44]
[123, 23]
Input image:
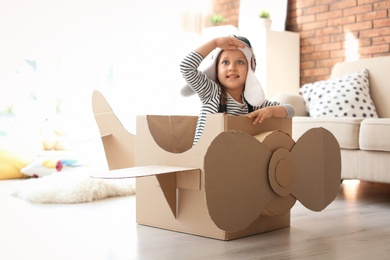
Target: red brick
[382, 23]
[357, 9]
[380, 40]
[306, 19]
[316, 56]
[316, 72]
[337, 37]
[365, 42]
[328, 46]
[357, 26]
[342, 20]
[307, 34]
[371, 16]
[375, 49]
[382, 5]
[315, 40]
[314, 25]
[342, 4]
[381, 54]
[294, 13]
[329, 15]
[337, 53]
[362, 2]
[307, 49]
[305, 3]
[307, 64]
[329, 30]
[321, 2]
[375, 32]
[316, 9]
[328, 62]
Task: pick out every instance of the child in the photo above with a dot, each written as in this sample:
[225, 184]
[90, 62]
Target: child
[228, 85]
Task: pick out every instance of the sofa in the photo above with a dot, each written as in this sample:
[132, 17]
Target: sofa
[364, 133]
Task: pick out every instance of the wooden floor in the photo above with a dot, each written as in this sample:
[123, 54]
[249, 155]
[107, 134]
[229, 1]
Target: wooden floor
[355, 226]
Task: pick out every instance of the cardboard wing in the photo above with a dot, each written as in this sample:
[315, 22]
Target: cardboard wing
[166, 176]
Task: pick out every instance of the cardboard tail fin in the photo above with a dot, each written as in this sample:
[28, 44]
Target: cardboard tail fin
[119, 144]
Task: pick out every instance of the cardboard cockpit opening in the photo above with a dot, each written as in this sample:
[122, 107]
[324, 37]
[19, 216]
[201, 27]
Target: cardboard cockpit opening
[174, 134]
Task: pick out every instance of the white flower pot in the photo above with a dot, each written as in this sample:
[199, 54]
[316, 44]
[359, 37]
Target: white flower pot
[265, 22]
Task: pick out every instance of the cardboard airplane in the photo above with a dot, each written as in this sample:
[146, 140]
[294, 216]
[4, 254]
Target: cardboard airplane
[238, 180]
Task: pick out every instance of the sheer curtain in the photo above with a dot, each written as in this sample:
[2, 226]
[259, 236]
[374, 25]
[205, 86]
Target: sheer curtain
[54, 53]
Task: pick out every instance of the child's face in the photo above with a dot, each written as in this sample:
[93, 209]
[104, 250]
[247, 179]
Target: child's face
[232, 70]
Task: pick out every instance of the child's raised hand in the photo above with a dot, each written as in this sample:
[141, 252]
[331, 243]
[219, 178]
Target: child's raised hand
[225, 43]
[229, 43]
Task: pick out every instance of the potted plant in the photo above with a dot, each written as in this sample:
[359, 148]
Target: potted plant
[217, 19]
[265, 18]
[218, 27]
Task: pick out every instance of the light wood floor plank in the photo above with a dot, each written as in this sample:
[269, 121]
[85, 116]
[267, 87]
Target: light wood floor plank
[355, 226]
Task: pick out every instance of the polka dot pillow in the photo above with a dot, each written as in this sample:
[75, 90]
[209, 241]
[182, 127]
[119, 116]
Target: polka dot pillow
[346, 96]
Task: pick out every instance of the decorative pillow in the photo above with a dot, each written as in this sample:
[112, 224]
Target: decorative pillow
[11, 164]
[346, 96]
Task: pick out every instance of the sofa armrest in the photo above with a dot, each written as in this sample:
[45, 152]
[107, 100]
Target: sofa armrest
[295, 100]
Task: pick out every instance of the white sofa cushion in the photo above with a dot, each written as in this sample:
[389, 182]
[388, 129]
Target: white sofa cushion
[375, 134]
[345, 96]
[345, 129]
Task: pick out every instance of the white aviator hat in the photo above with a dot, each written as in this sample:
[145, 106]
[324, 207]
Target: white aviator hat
[253, 92]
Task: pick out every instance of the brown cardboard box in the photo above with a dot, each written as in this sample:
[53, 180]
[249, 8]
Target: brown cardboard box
[238, 180]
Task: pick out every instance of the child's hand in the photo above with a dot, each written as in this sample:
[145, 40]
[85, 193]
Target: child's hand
[225, 43]
[229, 43]
[260, 115]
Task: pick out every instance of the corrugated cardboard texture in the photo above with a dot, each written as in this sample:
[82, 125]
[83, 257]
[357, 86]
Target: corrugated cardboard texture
[238, 180]
[193, 215]
[174, 134]
[279, 205]
[236, 191]
[318, 160]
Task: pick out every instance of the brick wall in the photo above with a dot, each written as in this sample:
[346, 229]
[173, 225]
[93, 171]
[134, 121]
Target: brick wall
[229, 9]
[331, 31]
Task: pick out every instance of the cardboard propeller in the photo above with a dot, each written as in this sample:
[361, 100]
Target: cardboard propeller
[270, 182]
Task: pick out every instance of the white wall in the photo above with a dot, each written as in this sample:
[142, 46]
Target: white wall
[277, 50]
[129, 49]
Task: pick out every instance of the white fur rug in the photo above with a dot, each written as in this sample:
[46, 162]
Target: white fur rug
[71, 187]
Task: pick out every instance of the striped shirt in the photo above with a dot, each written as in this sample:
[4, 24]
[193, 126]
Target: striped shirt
[210, 94]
